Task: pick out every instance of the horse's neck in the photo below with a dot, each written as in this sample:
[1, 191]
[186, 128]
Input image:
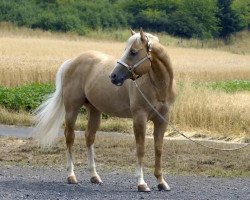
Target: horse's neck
[161, 73]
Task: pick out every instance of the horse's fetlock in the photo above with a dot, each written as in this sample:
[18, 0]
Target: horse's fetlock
[158, 176]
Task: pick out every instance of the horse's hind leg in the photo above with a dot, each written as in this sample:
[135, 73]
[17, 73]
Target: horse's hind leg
[70, 119]
[94, 119]
[72, 103]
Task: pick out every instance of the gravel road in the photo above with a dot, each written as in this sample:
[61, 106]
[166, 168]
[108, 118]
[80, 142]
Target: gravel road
[26, 182]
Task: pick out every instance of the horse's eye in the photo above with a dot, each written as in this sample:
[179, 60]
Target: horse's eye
[132, 52]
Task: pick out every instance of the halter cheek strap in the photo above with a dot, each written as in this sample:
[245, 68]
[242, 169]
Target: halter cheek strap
[133, 67]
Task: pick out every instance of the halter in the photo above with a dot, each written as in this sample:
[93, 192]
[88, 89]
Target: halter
[133, 67]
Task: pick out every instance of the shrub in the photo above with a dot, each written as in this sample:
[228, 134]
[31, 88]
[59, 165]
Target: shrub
[193, 18]
[26, 97]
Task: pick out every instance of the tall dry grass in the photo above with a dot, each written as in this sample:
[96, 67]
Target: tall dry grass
[220, 113]
[35, 57]
[25, 59]
[208, 65]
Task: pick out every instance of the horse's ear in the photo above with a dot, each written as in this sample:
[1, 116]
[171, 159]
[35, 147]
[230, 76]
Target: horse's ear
[143, 36]
[132, 32]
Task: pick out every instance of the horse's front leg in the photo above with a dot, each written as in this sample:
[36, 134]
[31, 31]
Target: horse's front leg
[139, 125]
[159, 130]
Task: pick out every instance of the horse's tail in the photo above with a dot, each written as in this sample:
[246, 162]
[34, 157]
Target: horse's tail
[49, 116]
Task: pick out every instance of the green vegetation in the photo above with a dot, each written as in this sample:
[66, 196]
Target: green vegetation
[228, 19]
[227, 86]
[28, 97]
[244, 14]
[231, 86]
[193, 18]
[63, 15]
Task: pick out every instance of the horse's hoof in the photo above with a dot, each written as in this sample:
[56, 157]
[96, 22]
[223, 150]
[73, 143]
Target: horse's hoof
[72, 180]
[163, 187]
[96, 180]
[143, 188]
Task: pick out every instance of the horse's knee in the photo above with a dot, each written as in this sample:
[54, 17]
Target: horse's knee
[140, 150]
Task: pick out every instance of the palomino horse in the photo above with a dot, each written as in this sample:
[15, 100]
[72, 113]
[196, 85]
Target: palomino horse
[84, 81]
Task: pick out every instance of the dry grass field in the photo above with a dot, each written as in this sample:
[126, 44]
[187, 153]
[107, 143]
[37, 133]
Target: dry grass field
[34, 56]
[180, 157]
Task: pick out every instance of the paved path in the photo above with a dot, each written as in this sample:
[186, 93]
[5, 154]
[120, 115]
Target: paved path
[15, 131]
[47, 183]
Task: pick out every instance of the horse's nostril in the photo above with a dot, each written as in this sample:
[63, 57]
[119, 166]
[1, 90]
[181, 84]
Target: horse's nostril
[113, 75]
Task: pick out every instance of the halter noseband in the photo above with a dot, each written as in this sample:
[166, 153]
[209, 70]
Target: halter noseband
[133, 67]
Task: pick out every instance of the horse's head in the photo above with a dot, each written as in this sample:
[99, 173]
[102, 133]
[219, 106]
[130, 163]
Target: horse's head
[136, 59]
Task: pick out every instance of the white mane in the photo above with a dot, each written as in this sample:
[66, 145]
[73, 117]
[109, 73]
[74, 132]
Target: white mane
[137, 37]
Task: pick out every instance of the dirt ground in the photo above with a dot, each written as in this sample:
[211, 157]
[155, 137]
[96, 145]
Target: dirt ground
[118, 151]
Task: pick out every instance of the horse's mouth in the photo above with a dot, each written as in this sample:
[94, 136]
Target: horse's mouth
[117, 83]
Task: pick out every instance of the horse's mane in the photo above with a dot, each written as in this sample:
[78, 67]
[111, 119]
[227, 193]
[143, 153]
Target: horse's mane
[152, 37]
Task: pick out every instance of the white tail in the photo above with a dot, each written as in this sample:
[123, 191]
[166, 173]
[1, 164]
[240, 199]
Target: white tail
[50, 114]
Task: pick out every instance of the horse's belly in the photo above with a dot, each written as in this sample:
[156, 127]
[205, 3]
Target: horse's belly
[111, 106]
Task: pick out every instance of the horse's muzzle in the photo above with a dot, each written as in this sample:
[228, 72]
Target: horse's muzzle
[116, 80]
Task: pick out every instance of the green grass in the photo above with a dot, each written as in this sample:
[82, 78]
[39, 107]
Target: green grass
[230, 86]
